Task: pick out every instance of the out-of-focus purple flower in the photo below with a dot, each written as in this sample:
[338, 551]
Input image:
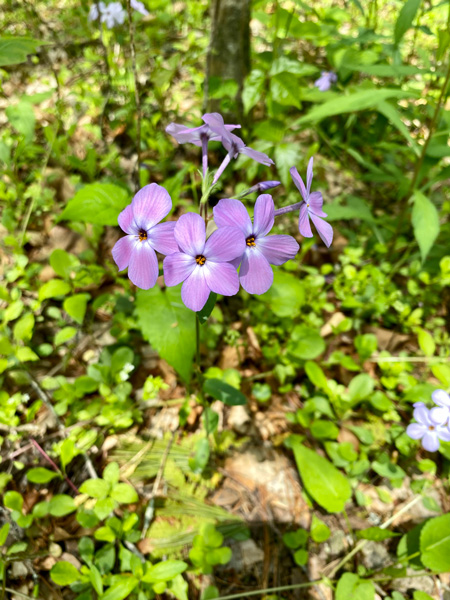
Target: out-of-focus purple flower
[325, 81]
[264, 186]
[94, 11]
[195, 135]
[426, 429]
[203, 264]
[233, 144]
[261, 250]
[113, 14]
[139, 7]
[441, 413]
[140, 221]
[311, 207]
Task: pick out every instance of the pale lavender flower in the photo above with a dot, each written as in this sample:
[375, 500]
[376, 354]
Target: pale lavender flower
[195, 135]
[233, 144]
[325, 81]
[311, 207]
[140, 220]
[261, 250]
[113, 14]
[203, 264]
[440, 414]
[427, 430]
[139, 7]
[95, 10]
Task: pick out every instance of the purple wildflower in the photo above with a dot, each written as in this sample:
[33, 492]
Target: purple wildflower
[203, 264]
[233, 144]
[325, 81]
[139, 7]
[426, 429]
[441, 413]
[140, 220]
[311, 207]
[260, 251]
[195, 135]
[263, 186]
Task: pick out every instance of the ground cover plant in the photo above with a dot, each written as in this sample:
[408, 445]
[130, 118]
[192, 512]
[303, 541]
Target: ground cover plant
[224, 300]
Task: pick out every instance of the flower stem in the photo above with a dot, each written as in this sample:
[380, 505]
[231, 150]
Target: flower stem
[136, 95]
[204, 155]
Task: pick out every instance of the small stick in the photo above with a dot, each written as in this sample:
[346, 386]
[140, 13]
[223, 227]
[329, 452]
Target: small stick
[54, 465]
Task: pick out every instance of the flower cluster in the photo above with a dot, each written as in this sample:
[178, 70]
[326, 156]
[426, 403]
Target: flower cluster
[433, 424]
[113, 14]
[238, 252]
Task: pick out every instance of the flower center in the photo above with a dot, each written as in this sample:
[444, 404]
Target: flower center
[250, 241]
[307, 204]
[431, 428]
[142, 235]
[200, 259]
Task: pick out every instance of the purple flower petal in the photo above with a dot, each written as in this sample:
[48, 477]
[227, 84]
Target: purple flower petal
[255, 275]
[263, 218]
[186, 135]
[303, 222]
[309, 174]
[232, 213]
[278, 248]
[441, 398]
[421, 415]
[255, 155]
[415, 431]
[298, 181]
[315, 202]
[443, 433]
[430, 441]
[177, 267]
[122, 251]
[150, 205]
[439, 414]
[195, 291]
[143, 267]
[162, 239]
[126, 221]
[324, 229]
[221, 278]
[190, 234]
[224, 244]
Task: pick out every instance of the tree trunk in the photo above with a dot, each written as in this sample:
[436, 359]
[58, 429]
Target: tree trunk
[229, 52]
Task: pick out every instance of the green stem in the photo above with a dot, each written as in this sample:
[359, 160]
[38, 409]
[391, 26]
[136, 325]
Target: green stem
[136, 95]
[282, 588]
[419, 163]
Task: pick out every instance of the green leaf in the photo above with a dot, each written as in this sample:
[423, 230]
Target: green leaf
[253, 89]
[435, 544]
[324, 430]
[320, 531]
[124, 493]
[350, 586]
[203, 314]
[442, 372]
[4, 533]
[405, 19]
[316, 376]
[322, 480]
[169, 327]
[418, 595]
[376, 534]
[286, 296]
[23, 329]
[425, 220]
[305, 343]
[121, 588]
[295, 539]
[13, 501]
[285, 89]
[96, 203]
[41, 475]
[25, 354]
[360, 387]
[111, 473]
[96, 579]
[201, 457]
[385, 468]
[426, 342]
[64, 335]
[355, 102]
[96, 488]
[22, 118]
[61, 505]
[227, 394]
[14, 50]
[286, 155]
[64, 573]
[164, 571]
[63, 263]
[393, 115]
[53, 289]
